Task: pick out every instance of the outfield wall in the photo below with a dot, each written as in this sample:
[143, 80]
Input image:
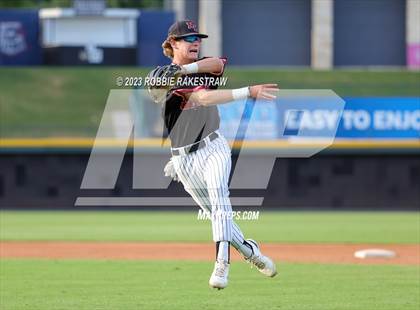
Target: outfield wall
[329, 181]
[373, 162]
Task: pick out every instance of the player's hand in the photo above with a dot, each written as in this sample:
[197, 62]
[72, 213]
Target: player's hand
[264, 91]
[170, 172]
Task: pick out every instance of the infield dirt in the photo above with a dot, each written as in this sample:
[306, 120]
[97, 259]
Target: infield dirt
[301, 253]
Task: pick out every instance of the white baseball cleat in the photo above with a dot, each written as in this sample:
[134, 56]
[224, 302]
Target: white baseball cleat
[219, 277]
[263, 263]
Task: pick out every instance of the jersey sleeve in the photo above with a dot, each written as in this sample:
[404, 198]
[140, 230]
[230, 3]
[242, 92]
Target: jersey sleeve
[181, 95]
[182, 92]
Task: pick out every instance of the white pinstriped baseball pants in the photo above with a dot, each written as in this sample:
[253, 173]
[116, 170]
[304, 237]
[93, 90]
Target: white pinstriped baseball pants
[205, 176]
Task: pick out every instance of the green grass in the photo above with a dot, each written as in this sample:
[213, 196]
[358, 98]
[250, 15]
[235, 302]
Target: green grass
[126, 285]
[107, 284]
[303, 227]
[63, 101]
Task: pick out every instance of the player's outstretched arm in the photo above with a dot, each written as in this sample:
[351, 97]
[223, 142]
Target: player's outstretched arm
[206, 65]
[214, 97]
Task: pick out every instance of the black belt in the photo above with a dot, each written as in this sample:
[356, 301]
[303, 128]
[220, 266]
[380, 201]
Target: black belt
[195, 146]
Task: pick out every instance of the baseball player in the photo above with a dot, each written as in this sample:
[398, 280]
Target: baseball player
[201, 156]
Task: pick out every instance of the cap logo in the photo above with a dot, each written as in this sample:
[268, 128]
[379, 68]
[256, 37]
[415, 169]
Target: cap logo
[191, 25]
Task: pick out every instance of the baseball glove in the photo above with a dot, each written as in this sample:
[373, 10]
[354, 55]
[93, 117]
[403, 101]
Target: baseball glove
[157, 89]
[172, 71]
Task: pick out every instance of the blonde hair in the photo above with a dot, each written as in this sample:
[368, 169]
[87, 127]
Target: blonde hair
[168, 51]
